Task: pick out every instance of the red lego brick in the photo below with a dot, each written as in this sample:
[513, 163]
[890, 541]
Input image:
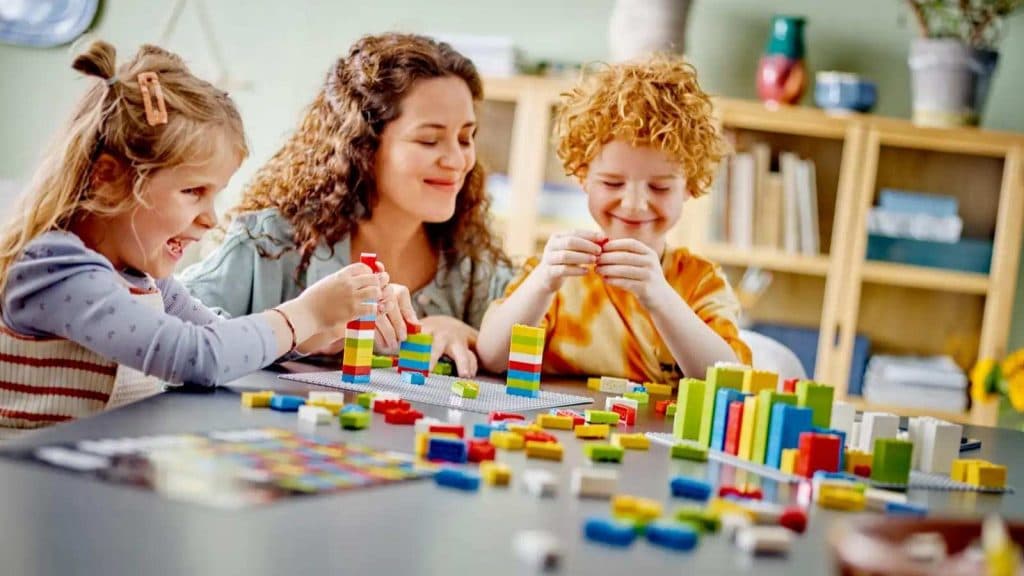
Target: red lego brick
[577, 418]
[727, 491]
[817, 452]
[400, 416]
[370, 259]
[862, 470]
[499, 416]
[412, 328]
[733, 424]
[383, 406]
[539, 437]
[357, 370]
[524, 366]
[627, 415]
[794, 518]
[661, 406]
[480, 450]
[457, 429]
[789, 386]
[361, 325]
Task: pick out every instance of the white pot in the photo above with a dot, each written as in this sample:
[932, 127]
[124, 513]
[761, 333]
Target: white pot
[639, 27]
[949, 81]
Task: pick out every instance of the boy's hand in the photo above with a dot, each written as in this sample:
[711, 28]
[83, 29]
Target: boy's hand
[632, 265]
[568, 254]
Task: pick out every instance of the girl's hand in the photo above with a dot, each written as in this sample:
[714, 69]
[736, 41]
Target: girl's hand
[454, 338]
[568, 254]
[341, 297]
[632, 265]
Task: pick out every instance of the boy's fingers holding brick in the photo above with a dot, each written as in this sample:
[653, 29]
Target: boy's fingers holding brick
[580, 244]
[561, 270]
[627, 245]
[567, 257]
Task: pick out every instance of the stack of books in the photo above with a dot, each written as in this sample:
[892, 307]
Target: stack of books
[928, 382]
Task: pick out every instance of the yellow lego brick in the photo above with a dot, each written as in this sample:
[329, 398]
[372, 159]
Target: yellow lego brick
[594, 383]
[592, 431]
[554, 422]
[523, 429]
[747, 426]
[639, 509]
[788, 463]
[756, 380]
[841, 498]
[507, 440]
[545, 450]
[257, 399]
[959, 470]
[527, 331]
[723, 506]
[528, 349]
[631, 441]
[655, 389]
[333, 407]
[855, 458]
[623, 504]
[987, 475]
[495, 473]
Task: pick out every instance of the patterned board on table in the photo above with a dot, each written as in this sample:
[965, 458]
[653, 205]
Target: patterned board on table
[438, 391]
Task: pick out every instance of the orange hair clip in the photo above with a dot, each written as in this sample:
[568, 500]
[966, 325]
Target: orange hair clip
[154, 114]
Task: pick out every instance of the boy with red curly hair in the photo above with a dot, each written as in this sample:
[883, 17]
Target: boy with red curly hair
[640, 139]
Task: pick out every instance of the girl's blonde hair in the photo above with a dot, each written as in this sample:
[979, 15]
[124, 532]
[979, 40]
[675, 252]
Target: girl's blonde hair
[111, 119]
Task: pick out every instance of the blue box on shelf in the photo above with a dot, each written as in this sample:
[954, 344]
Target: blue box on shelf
[804, 343]
[967, 255]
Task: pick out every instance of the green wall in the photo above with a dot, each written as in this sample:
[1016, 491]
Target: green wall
[283, 49]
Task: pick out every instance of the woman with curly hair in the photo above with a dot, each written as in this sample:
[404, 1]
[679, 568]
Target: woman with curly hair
[621, 302]
[383, 162]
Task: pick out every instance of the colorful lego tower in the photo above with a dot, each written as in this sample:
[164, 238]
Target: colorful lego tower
[525, 356]
[414, 351]
[358, 356]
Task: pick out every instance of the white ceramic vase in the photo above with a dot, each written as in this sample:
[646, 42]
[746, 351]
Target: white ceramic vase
[638, 27]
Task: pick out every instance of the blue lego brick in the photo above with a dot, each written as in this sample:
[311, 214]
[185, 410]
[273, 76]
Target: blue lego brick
[823, 475]
[523, 375]
[522, 392]
[413, 347]
[356, 378]
[719, 423]
[447, 449]
[481, 430]
[787, 424]
[609, 532]
[672, 535]
[842, 443]
[352, 408]
[684, 487]
[285, 403]
[905, 509]
[639, 389]
[413, 378]
[414, 364]
[458, 479]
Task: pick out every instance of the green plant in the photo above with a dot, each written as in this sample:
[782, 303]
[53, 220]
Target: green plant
[975, 22]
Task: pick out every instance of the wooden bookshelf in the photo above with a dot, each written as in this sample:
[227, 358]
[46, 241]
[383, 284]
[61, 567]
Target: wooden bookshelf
[902, 308]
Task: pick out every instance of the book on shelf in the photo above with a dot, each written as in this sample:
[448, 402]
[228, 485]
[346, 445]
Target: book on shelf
[753, 206]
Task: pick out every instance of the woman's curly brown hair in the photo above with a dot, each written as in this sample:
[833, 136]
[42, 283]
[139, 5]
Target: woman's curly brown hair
[323, 179]
[656, 102]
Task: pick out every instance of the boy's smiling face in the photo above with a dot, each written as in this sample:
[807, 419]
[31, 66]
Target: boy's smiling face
[635, 192]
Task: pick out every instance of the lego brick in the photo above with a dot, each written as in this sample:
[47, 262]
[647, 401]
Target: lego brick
[684, 487]
[854, 458]
[534, 350]
[351, 408]
[818, 452]
[577, 417]
[877, 499]
[458, 479]
[687, 450]
[609, 532]
[612, 401]
[720, 418]
[369, 259]
[521, 428]
[592, 431]
[669, 535]
[479, 451]
[447, 450]
[704, 519]
[544, 450]
[466, 388]
[787, 423]
[794, 519]
[382, 405]
[257, 399]
[788, 462]
[733, 426]
[402, 416]
[604, 452]
[638, 510]
[539, 436]
[817, 397]
[627, 415]
[315, 415]
[875, 425]
[594, 482]
[939, 446]
[987, 475]
[316, 396]
[285, 403]
[842, 419]
[482, 430]
[525, 367]
[642, 398]
[554, 422]
[507, 440]
[410, 377]
[765, 403]
[526, 358]
[655, 389]
[424, 424]
[842, 444]
[381, 361]
[457, 430]
[365, 398]
[614, 385]
[841, 498]
[538, 550]
[600, 417]
[690, 410]
[527, 331]
[890, 462]
[660, 407]
[521, 392]
[333, 407]
[495, 473]
[631, 441]
[905, 509]
[423, 441]
[442, 369]
[540, 483]
[764, 540]
[500, 416]
[756, 380]
[789, 385]
[355, 420]
[523, 376]
[747, 427]
[718, 377]
[960, 467]
[594, 383]
[522, 384]
[670, 410]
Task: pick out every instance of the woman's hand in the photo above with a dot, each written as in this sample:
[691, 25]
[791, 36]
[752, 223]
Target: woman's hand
[394, 314]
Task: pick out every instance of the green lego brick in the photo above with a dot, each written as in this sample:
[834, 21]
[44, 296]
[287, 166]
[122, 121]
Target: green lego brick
[420, 338]
[690, 451]
[355, 420]
[414, 356]
[442, 368]
[690, 409]
[601, 417]
[356, 344]
[718, 377]
[642, 398]
[528, 341]
[765, 401]
[524, 384]
[604, 452]
[465, 388]
[670, 410]
[381, 362]
[817, 397]
[365, 398]
[890, 461]
[699, 518]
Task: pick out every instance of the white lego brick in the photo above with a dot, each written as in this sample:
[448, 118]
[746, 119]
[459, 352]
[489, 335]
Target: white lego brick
[614, 385]
[876, 499]
[540, 483]
[939, 447]
[842, 418]
[733, 523]
[915, 428]
[875, 425]
[359, 334]
[853, 438]
[764, 540]
[621, 400]
[314, 414]
[765, 513]
[538, 549]
[536, 359]
[423, 424]
[594, 482]
[329, 397]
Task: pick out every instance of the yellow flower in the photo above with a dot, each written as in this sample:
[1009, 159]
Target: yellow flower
[985, 379]
[1016, 392]
[1013, 364]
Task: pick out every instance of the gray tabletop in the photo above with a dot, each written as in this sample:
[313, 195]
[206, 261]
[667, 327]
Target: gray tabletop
[56, 523]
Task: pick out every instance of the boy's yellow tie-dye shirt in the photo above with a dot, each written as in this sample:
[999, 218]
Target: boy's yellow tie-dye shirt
[594, 329]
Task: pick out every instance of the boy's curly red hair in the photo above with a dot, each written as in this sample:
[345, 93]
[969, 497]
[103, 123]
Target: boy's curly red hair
[655, 102]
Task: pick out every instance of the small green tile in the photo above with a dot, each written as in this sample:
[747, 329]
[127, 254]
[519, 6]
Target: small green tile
[365, 399]
[355, 420]
[642, 398]
[690, 451]
[381, 361]
[604, 452]
[601, 417]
